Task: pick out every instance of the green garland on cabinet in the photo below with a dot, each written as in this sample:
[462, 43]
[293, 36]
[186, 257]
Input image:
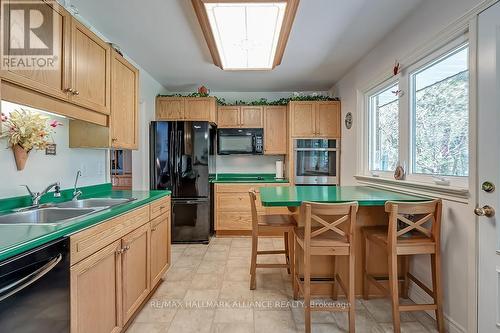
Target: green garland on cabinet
[262, 101]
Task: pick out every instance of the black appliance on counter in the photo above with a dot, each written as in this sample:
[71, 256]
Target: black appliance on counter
[249, 141]
[35, 290]
[181, 154]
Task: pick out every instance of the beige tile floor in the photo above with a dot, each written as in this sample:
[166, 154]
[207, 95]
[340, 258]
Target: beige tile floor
[207, 290]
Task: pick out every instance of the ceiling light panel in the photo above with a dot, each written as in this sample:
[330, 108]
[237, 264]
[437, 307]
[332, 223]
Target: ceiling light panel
[246, 34]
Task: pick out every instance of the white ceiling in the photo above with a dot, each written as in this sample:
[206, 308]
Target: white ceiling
[163, 36]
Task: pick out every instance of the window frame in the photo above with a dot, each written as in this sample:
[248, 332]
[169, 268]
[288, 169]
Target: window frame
[368, 96]
[406, 114]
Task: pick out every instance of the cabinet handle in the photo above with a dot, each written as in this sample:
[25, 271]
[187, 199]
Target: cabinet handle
[154, 229]
[114, 139]
[76, 92]
[69, 90]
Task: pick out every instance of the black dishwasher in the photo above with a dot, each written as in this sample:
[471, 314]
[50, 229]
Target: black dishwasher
[34, 290]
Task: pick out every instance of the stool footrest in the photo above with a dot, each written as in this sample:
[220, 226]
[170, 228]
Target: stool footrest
[318, 280]
[272, 252]
[272, 266]
[417, 307]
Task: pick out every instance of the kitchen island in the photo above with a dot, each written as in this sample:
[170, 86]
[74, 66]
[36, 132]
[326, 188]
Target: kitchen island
[371, 212]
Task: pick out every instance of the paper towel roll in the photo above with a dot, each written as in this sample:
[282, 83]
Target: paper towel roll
[279, 169]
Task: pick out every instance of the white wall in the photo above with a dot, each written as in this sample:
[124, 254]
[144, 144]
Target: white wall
[41, 169]
[418, 29]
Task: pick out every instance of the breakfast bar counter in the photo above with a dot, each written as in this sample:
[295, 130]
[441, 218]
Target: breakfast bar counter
[370, 213]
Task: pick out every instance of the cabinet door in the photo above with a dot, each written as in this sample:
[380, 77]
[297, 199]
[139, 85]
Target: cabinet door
[169, 108]
[136, 270]
[96, 292]
[124, 103]
[252, 117]
[328, 119]
[228, 116]
[197, 109]
[302, 119]
[160, 247]
[91, 73]
[275, 134]
[51, 79]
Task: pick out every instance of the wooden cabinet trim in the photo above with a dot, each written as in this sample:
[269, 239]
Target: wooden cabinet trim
[160, 238]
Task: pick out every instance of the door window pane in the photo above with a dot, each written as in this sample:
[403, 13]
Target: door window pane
[384, 129]
[440, 110]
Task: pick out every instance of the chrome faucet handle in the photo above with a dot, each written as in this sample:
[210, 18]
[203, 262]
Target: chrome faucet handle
[32, 194]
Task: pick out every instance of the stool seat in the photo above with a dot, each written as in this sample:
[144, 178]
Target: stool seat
[276, 221]
[326, 239]
[415, 243]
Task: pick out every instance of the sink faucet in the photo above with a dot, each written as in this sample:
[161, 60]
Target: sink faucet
[36, 196]
[77, 192]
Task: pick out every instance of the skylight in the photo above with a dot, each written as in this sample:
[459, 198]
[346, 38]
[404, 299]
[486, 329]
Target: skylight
[246, 35]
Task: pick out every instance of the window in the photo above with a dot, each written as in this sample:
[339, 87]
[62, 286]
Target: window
[440, 114]
[384, 128]
[422, 120]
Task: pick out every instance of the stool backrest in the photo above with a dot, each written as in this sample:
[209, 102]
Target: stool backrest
[342, 213]
[422, 218]
[253, 208]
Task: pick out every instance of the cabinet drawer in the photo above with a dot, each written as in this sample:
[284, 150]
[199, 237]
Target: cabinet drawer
[91, 240]
[159, 207]
[236, 202]
[234, 188]
[234, 221]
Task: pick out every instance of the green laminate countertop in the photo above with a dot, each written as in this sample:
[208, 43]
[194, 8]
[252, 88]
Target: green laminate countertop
[293, 196]
[246, 178]
[18, 238]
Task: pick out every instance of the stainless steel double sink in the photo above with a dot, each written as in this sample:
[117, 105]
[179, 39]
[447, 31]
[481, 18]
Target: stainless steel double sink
[62, 212]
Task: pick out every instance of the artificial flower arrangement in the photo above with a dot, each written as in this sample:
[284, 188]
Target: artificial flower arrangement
[26, 130]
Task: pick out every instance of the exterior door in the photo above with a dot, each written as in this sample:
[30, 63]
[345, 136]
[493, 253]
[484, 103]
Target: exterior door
[489, 170]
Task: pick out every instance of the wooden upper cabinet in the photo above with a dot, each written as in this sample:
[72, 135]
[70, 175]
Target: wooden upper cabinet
[302, 119]
[252, 116]
[53, 79]
[168, 108]
[199, 108]
[275, 130]
[233, 116]
[228, 116]
[136, 270]
[124, 103]
[315, 119]
[96, 292]
[328, 119]
[91, 72]
[186, 108]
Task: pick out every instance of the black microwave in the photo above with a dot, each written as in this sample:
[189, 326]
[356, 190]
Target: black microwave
[235, 141]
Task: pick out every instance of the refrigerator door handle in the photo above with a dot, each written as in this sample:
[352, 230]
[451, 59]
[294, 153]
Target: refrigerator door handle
[171, 161]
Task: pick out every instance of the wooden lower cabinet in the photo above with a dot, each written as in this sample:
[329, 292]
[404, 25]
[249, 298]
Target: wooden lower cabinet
[96, 292]
[232, 207]
[130, 254]
[160, 254]
[135, 270]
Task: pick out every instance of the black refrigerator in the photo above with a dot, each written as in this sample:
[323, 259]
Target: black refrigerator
[181, 157]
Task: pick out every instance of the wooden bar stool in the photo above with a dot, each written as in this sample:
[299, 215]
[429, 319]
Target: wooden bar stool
[326, 238]
[414, 228]
[270, 225]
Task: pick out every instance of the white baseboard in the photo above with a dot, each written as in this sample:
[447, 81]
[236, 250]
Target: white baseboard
[419, 296]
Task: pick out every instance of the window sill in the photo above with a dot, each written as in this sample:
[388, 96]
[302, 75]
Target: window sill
[452, 193]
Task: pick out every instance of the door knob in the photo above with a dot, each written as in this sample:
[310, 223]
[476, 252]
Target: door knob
[486, 210]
